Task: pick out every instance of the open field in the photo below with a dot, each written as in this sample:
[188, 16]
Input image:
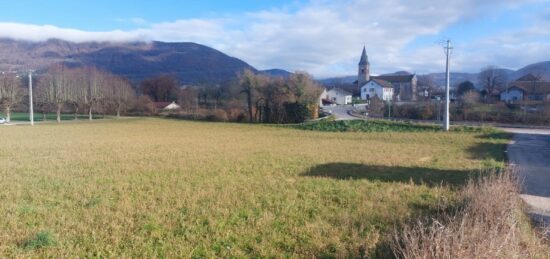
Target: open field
[155, 188]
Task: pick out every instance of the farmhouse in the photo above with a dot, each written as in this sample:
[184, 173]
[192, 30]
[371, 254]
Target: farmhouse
[404, 85]
[167, 106]
[527, 88]
[338, 96]
[379, 88]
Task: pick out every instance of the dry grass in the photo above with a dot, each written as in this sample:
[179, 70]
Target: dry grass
[490, 224]
[165, 188]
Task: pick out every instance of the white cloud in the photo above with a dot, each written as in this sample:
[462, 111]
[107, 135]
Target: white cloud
[325, 37]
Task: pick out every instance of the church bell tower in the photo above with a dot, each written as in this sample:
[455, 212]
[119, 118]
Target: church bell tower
[363, 75]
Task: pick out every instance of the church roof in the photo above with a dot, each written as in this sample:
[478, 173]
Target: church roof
[364, 58]
[396, 78]
[383, 83]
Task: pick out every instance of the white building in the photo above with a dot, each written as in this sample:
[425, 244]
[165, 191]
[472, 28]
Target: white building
[377, 88]
[323, 96]
[512, 94]
[339, 96]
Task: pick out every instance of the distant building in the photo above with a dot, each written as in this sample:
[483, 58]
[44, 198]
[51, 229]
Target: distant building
[377, 88]
[339, 96]
[323, 97]
[404, 86]
[527, 88]
[167, 106]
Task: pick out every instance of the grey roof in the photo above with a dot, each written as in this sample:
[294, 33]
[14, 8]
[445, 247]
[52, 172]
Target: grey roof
[364, 58]
[381, 82]
[531, 87]
[528, 77]
[396, 78]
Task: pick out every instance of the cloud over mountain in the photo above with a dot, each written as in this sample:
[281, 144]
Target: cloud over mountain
[325, 37]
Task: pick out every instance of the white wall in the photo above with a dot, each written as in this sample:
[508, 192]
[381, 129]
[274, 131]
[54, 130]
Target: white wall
[372, 89]
[323, 95]
[511, 95]
[338, 97]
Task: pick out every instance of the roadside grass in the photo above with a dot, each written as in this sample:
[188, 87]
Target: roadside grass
[491, 223]
[169, 188]
[376, 125]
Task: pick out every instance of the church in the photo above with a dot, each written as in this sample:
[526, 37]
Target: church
[396, 87]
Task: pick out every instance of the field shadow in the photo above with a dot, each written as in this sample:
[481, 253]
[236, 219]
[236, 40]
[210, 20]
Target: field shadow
[487, 151]
[417, 175]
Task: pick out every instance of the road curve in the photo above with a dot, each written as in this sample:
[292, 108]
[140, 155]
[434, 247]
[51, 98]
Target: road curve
[529, 151]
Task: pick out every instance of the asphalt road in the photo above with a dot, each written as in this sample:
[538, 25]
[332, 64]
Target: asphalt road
[529, 152]
[341, 112]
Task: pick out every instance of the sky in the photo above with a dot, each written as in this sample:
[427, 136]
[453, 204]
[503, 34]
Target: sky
[321, 37]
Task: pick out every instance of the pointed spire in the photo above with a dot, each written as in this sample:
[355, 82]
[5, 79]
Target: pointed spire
[364, 58]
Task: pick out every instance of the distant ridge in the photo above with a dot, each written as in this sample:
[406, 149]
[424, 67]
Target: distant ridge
[191, 63]
[276, 72]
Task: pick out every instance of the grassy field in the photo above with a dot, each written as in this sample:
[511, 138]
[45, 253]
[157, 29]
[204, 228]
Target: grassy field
[168, 188]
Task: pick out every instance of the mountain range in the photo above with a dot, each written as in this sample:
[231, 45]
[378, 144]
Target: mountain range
[191, 63]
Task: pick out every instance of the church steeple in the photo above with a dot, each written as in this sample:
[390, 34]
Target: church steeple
[364, 58]
[363, 75]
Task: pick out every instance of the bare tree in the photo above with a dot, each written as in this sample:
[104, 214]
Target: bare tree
[492, 78]
[188, 98]
[10, 92]
[121, 93]
[93, 92]
[469, 100]
[55, 88]
[426, 83]
[249, 83]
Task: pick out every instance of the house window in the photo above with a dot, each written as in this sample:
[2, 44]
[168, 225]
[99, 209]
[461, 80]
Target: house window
[371, 90]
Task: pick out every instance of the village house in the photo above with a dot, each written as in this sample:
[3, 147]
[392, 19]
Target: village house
[526, 89]
[376, 87]
[336, 96]
[167, 106]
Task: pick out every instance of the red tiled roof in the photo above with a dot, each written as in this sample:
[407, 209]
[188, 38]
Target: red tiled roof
[383, 83]
[161, 105]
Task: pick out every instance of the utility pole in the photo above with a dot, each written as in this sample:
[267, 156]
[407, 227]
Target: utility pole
[31, 111]
[389, 110]
[448, 49]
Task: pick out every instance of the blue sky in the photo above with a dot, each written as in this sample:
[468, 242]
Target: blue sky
[109, 15]
[323, 37]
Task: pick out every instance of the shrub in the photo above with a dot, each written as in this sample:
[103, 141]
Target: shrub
[296, 112]
[217, 115]
[365, 126]
[489, 223]
[40, 240]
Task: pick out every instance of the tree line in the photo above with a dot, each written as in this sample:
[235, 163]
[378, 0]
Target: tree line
[250, 97]
[60, 88]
